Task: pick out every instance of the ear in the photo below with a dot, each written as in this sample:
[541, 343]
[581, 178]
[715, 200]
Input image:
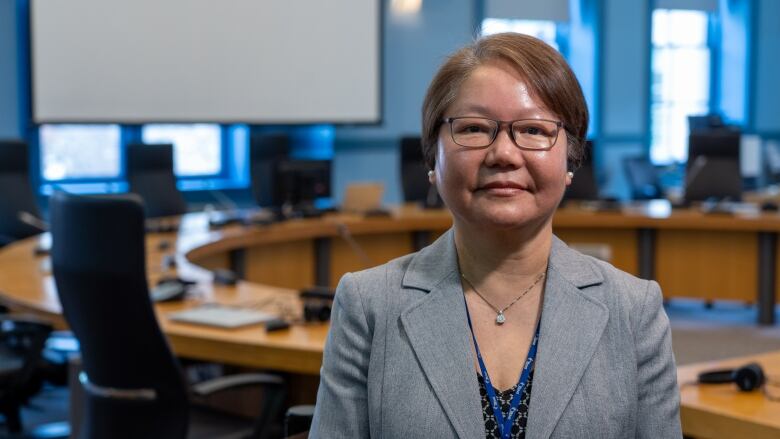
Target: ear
[432, 177]
[569, 177]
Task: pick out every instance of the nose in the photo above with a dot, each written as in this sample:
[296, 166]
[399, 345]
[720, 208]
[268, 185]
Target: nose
[503, 152]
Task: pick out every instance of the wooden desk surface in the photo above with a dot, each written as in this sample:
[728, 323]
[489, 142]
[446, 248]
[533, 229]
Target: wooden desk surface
[27, 285]
[715, 411]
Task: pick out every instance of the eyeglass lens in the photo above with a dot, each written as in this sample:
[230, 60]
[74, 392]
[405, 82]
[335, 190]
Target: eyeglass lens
[479, 132]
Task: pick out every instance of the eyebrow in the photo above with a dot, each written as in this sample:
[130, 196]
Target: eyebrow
[485, 112]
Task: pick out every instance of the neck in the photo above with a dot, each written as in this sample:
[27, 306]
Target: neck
[502, 261]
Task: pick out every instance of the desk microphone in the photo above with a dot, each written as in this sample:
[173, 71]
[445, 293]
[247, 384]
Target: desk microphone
[32, 220]
[347, 236]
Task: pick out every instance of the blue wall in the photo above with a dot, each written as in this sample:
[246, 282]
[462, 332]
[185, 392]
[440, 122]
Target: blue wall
[10, 120]
[766, 102]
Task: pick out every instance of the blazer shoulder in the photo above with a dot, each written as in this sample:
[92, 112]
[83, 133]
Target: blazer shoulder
[377, 282]
[600, 280]
[624, 290]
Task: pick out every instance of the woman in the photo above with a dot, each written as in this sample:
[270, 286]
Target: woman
[498, 329]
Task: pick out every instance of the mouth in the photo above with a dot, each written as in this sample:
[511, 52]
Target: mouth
[502, 188]
[502, 185]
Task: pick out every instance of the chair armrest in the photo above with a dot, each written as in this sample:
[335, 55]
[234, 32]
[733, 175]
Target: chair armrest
[215, 385]
[298, 420]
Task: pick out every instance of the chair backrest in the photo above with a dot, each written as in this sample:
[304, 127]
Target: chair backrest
[150, 175]
[98, 261]
[16, 193]
[642, 178]
[584, 185]
[266, 151]
[414, 172]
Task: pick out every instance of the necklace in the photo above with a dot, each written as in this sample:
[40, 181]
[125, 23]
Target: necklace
[500, 317]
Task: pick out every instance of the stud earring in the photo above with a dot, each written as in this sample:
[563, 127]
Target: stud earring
[430, 174]
[570, 174]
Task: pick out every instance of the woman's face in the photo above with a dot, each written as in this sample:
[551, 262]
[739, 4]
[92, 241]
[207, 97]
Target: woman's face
[500, 186]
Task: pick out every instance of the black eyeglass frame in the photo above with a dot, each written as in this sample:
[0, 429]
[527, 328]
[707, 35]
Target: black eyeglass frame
[501, 124]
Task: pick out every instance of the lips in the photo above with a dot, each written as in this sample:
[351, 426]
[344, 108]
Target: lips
[502, 185]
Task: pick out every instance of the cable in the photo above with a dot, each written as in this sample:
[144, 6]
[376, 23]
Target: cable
[32, 220]
[347, 236]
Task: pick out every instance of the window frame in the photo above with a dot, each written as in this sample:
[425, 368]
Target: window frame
[713, 48]
[230, 176]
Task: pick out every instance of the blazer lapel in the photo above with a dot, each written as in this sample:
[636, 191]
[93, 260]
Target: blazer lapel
[571, 326]
[439, 335]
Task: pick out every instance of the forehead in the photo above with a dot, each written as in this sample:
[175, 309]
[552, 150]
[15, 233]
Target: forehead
[497, 89]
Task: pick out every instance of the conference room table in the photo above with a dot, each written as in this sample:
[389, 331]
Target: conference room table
[690, 253]
[722, 411]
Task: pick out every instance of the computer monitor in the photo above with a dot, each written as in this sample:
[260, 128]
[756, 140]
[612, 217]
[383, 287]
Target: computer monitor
[772, 160]
[713, 168]
[583, 186]
[705, 122]
[301, 182]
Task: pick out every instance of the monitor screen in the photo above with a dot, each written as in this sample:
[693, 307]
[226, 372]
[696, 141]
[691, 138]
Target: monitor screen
[713, 168]
[722, 143]
[302, 182]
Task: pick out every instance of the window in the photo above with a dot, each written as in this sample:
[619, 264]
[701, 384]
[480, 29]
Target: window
[543, 29]
[680, 84]
[80, 152]
[197, 148]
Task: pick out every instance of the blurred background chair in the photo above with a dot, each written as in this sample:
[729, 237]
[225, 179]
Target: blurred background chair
[584, 186]
[21, 345]
[643, 179]
[414, 174]
[133, 384]
[150, 175]
[16, 193]
[266, 151]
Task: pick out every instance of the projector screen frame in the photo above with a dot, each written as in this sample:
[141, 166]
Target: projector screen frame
[377, 121]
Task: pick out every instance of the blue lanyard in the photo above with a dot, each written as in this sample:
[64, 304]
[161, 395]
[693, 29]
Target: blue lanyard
[505, 425]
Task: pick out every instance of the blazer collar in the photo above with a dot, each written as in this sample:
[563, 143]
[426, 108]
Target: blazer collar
[571, 326]
[439, 335]
[438, 260]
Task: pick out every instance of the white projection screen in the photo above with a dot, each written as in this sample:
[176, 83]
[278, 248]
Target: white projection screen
[252, 61]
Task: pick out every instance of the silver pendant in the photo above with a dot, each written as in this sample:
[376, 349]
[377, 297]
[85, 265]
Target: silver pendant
[500, 319]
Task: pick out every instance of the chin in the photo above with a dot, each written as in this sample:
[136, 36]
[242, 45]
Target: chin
[507, 220]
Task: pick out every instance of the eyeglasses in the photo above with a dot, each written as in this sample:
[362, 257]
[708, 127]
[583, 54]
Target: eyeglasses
[480, 132]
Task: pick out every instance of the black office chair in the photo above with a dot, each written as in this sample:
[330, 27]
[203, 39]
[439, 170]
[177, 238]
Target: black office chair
[133, 384]
[414, 174]
[16, 193]
[266, 151]
[21, 344]
[150, 175]
[643, 179]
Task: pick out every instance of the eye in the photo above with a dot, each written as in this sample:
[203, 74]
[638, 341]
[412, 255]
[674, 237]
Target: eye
[472, 129]
[535, 129]
[472, 126]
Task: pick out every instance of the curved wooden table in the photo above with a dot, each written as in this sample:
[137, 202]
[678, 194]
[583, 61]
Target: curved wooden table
[722, 411]
[690, 253]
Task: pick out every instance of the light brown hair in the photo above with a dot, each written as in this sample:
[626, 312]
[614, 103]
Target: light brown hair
[548, 77]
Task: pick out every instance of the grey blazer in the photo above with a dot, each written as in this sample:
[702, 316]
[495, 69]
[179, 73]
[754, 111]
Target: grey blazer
[398, 361]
